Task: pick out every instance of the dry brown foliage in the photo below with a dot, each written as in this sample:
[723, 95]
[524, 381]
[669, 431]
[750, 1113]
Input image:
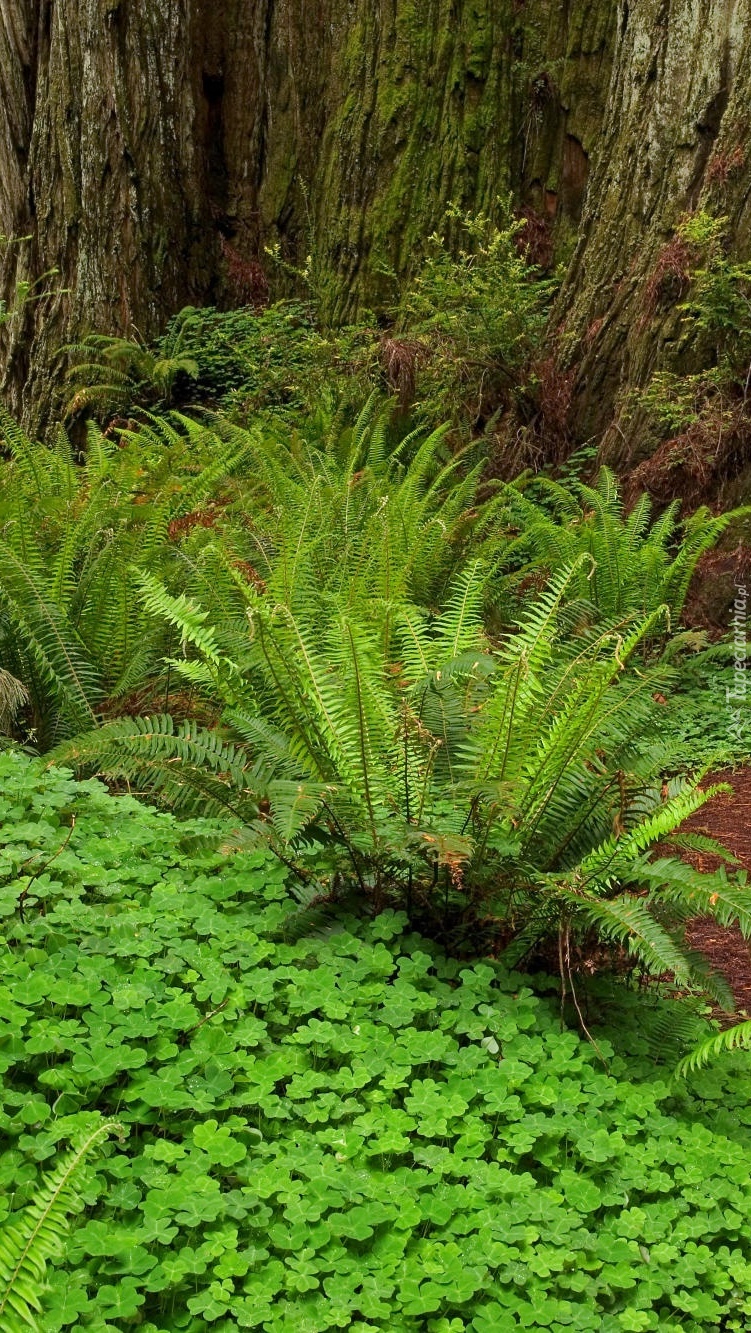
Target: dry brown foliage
[724, 163]
[670, 276]
[535, 241]
[245, 277]
[400, 359]
[712, 450]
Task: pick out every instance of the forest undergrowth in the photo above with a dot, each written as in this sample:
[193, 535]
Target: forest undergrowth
[360, 995]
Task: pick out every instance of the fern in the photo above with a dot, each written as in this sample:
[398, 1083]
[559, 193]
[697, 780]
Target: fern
[427, 764]
[34, 1235]
[332, 636]
[13, 697]
[76, 544]
[637, 564]
[112, 373]
[737, 1037]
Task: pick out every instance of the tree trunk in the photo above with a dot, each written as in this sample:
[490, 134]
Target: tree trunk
[675, 139]
[151, 148]
[103, 172]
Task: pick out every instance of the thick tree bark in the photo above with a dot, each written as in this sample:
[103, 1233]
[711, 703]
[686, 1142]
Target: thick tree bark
[100, 168]
[675, 138]
[151, 147]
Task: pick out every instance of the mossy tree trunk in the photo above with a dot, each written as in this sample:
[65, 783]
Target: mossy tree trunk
[151, 148]
[675, 138]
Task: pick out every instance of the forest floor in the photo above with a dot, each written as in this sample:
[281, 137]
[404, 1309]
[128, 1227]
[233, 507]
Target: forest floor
[728, 819]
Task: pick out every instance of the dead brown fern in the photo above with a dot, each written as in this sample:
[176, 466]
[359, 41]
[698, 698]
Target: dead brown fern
[400, 359]
[245, 277]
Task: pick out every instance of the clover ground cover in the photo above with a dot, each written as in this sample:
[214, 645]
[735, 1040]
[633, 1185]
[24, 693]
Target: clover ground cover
[345, 1130]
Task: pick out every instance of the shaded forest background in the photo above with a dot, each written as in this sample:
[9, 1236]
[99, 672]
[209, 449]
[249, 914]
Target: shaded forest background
[152, 151]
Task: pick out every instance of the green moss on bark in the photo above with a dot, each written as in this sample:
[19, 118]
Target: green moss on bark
[344, 128]
[455, 106]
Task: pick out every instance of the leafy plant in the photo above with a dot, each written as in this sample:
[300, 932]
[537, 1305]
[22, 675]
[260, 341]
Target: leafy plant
[258, 357]
[638, 562]
[349, 1130]
[247, 362]
[419, 764]
[463, 333]
[73, 537]
[34, 1235]
[383, 513]
[26, 291]
[115, 374]
[719, 300]
[361, 509]
[728, 1039]
[677, 402]
[479, 313]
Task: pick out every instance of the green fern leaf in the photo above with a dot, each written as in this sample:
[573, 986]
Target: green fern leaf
[35, 1234]
[737, 1037]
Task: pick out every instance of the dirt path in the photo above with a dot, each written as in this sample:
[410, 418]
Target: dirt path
[728, 819]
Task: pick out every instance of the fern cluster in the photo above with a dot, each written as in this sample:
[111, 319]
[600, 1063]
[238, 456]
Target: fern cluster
[404, 756]
[360, 509]
[638, 561]
[74, 537]
[345, 701]
[110, 374]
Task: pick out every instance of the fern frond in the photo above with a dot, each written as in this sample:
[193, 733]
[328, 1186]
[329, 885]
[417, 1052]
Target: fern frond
[616, 856]
[48, 638]
[31, 1237]
[628, 920]
[697, 893]
[737, 1037]
[459, 627]
[13, 697]
[182, 613]
[191, 767]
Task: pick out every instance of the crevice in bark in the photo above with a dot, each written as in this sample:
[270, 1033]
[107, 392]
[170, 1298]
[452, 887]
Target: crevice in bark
[217, 177]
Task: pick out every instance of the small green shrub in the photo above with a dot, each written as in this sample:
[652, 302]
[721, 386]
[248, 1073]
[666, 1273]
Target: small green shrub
[26, 291]
[341, 1131]
[463, 335]
[479, 313]
[676, 402]
[363, 509]
[719, 298]
[248, 360]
